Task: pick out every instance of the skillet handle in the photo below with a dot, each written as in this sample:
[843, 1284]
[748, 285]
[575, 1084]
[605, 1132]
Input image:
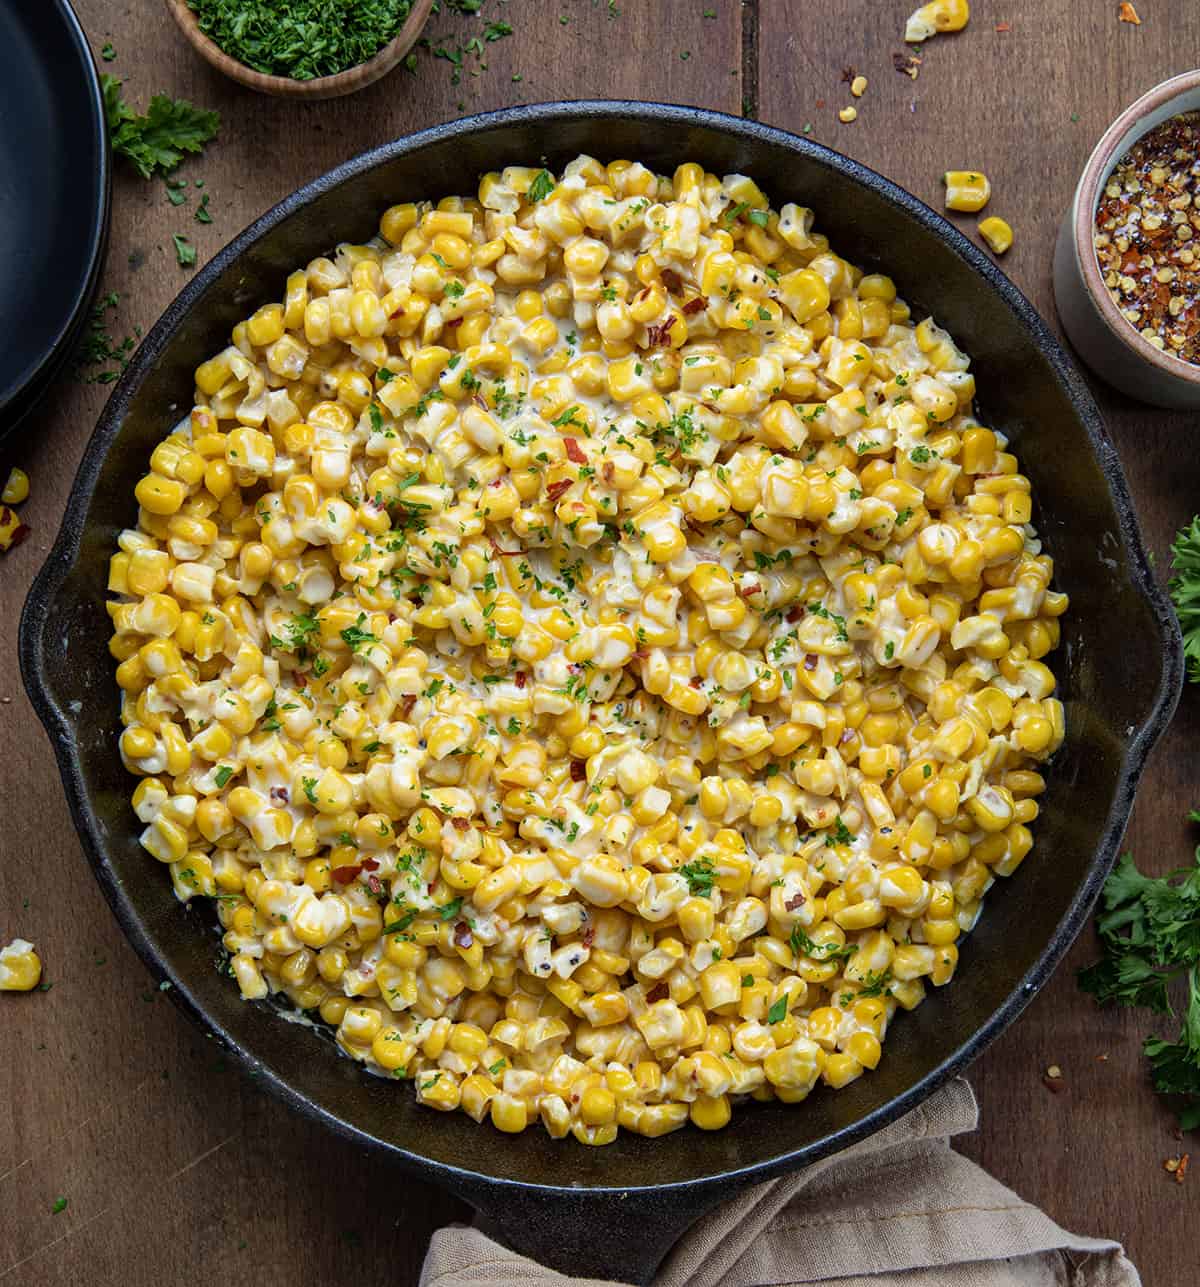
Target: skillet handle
[611, 1236]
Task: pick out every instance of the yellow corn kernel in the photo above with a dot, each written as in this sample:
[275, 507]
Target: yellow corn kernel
[996, 232]
[936, 16]
[20, 967]
[966, 190]
[16, 488]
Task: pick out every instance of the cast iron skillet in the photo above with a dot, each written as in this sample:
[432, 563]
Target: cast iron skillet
[613, 1212]
[54, 196]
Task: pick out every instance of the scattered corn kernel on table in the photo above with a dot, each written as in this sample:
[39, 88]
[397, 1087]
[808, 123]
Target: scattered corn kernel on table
[113, 1102]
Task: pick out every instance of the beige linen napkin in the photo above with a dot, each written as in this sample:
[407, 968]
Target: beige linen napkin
[900, 1209]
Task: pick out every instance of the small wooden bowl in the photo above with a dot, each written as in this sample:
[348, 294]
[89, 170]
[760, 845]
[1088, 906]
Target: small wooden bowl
[1116, 351]
[346, 82]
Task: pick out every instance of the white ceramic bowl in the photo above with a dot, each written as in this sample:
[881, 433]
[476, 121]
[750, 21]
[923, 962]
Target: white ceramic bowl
[1113, 348]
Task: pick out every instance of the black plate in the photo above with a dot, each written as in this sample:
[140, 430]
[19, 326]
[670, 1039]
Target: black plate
[612, 1212]
[54, 195]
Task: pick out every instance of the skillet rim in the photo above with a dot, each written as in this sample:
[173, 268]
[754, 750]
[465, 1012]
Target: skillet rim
[65, 552]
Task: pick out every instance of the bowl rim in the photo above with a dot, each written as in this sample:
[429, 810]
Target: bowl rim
[1099, 165]
[714, 1185]
[338, 84]
[30, 385]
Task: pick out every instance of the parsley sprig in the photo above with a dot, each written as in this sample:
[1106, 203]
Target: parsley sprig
[1185, 592]
[156, 143]
[1150, 934]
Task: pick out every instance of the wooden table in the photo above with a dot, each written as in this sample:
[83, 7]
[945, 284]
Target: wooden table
[172, 1163]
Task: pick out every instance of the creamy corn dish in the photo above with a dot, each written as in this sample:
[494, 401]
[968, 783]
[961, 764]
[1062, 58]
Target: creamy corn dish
[590, 651]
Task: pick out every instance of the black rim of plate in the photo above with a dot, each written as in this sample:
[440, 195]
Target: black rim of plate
[63, 556]
[18, 398]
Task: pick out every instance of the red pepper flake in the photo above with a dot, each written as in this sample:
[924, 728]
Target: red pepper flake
[794, 614]
[696, 681]
[589, 936]
[657, 992]
[460, 824]
[796, 900]
[575, 451]
[820, 102]
[747, 590]
[519, 679]
[1146, 230]
[1177, 1166]
[505, 554]
[398, 313]
[578, 771]
[555, 490]
[375, 885]
[1004, 26]
[371, 864]
[1127, 13]
[659, 335]
[810, 661]
[280, 795]
[406, 705]
[671, 280]
[18, 534]
[453, 322]
[697, 304]
[462, 934]
[344, 875]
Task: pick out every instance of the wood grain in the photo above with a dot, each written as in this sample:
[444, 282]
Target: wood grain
[170, 1161]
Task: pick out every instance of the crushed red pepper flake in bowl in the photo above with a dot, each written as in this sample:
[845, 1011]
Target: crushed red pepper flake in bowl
[1147, 222]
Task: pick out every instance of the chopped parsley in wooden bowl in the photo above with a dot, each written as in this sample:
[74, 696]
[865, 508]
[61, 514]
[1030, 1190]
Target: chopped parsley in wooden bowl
[302, 48]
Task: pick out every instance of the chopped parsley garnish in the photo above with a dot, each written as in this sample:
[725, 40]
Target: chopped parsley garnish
[541, 187]
[700, 875]
[356, 637]
[839, 623]
[296, 635]
[802, 945]
[839, 834]
[398, 927]
[185, 252]
[303, 39]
